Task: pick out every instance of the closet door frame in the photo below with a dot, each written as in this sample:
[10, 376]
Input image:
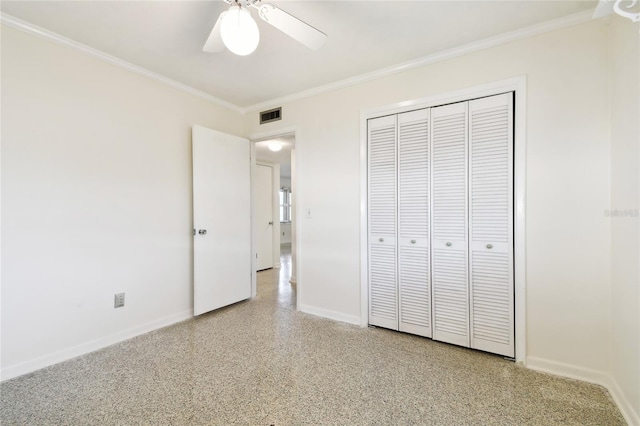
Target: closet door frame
[516, 85]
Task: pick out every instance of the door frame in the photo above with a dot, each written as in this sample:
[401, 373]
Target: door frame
[517, 85]
[258, 137]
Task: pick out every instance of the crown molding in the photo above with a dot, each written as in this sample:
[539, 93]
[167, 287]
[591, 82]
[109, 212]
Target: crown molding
[29, 28]
[531, 31]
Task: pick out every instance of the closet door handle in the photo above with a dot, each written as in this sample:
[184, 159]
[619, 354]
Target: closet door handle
[489, 246]
[381, 240]
[413, 241]
[448, 244]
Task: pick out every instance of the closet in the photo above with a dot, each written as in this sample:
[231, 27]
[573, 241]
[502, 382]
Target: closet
[440, 223]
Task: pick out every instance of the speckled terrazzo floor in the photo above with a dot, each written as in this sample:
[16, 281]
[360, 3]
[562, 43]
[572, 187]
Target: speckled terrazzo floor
[260, 362]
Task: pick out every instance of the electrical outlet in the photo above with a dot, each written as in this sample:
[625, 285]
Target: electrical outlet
[118, 300]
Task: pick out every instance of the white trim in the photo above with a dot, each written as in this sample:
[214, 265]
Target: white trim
[518, 85]
[624, 405]
[332, 315]
[254, 242]
[591, 376]
[274, 133]
[26, 367]
[567, 370]
[29, 28]
[519, 225]
[364, 218]
[531, 31]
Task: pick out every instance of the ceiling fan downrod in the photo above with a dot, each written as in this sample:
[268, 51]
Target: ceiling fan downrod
[243, 3]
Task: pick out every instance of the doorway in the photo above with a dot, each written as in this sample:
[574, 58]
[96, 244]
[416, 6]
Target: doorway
[278, 153]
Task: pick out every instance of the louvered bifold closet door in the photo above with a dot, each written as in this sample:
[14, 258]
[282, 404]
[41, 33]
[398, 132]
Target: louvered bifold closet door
[491, 224]
[413, 223]
[383, 292]
[449, 279]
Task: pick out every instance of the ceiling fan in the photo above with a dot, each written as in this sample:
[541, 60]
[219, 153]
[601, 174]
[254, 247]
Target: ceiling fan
[236, 30]
[607, 7]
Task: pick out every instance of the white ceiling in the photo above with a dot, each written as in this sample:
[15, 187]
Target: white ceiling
[166, 37]
[282, 157]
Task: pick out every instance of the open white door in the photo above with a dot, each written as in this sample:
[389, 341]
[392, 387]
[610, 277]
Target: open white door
[221, 219]
[264, 216]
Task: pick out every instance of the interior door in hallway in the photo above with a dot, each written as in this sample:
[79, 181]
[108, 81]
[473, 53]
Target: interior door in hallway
[264, 216]
[221, 219]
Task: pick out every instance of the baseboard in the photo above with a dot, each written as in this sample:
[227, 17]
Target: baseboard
[333, 315]
[567, 370]
[591, 376]
[624, 405]
[32, 365]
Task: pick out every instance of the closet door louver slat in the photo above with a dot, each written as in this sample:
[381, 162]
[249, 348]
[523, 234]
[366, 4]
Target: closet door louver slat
[413, 223]
[491, 224]
[383, 293]
[449, 279]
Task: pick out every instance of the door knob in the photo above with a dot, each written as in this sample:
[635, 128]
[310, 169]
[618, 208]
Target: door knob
[489, 246]
[270, 223]
[202, 231]
[381, 240]
[448, 244]
[413, 241]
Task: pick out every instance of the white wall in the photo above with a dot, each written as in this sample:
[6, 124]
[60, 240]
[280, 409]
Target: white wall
[96, 199]
[625, 230]
[568, 169]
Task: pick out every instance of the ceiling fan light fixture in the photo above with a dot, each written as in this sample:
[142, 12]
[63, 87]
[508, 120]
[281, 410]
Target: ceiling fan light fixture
[275, 146]
[239, 31]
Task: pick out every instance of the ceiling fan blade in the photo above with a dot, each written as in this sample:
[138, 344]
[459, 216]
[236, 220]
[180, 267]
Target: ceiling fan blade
[604, 8]
[214, 43]
[292, 26]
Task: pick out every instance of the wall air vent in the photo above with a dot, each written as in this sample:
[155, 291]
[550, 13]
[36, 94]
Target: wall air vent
[271, 115]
